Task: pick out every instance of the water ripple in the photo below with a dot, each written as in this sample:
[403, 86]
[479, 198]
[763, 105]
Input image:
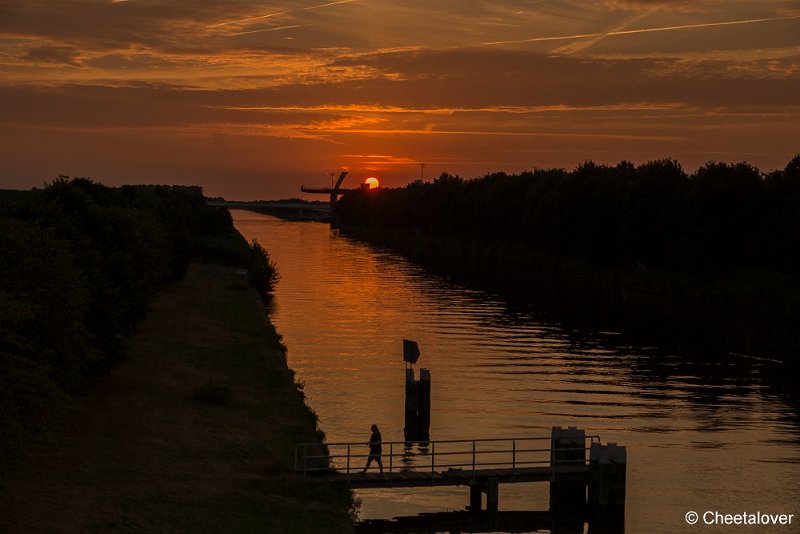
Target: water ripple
[702, 425]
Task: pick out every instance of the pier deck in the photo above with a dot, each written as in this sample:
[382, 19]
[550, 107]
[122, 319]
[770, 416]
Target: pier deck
[459, 477]
[580, 470]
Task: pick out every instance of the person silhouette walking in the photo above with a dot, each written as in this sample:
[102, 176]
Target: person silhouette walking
[375, 449]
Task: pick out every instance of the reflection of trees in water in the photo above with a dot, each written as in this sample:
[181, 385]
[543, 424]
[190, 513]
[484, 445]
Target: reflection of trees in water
[664, 347]
[648, 248]
[663, 351]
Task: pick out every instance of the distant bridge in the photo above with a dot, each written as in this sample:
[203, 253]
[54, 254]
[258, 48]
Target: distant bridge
[291, 210]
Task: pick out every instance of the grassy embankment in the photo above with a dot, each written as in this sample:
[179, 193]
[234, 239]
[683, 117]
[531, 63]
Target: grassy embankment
[194, 432]
[191, 424]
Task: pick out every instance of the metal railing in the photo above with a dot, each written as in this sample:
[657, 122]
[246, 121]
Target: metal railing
[439, 456]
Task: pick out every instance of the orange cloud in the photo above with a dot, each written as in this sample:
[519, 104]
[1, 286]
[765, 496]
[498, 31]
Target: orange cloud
[192, 88]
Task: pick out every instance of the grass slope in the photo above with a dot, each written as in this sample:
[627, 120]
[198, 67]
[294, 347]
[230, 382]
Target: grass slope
[194, 432]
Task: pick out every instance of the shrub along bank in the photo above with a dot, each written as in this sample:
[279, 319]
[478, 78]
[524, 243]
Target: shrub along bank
[195, 431]
[722, 238]
[80, 265]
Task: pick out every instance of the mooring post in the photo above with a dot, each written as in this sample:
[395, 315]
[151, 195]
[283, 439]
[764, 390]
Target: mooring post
[607, 476]
[412, 407]
[567, 448]
[424, 405]
[417, 421]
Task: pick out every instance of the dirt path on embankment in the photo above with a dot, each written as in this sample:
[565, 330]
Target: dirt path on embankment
[194, 432]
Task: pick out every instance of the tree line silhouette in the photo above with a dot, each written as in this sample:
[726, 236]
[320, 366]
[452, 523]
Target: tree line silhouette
[80, 264]
[726, 226]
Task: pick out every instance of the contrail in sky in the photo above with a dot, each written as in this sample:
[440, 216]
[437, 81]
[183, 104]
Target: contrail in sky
[643, 30]
[275, 29]
[582, 45]
[270, 15]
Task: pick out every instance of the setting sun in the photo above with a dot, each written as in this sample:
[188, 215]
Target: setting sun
[372, 182]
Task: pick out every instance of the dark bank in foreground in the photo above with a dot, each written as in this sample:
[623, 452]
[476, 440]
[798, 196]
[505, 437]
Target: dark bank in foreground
[188, 421]
[194, 432]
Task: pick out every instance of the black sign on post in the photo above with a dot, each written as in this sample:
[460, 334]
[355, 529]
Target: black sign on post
[410, 351]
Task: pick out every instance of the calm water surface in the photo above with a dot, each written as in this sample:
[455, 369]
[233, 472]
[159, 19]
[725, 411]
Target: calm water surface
[700, 435]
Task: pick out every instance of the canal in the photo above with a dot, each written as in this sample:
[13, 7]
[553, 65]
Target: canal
[703, 433]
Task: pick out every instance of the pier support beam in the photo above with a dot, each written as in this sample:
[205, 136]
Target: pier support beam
[567, 447]
[492, 494]
[475, 498]
[607, 476]
[491, 487]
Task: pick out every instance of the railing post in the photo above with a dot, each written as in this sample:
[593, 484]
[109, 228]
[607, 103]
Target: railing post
[433, 459]
[473, 457]
[391, 458]
[514, 456]
[348, 461]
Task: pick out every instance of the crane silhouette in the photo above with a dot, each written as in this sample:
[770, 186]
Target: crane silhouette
[334, 191]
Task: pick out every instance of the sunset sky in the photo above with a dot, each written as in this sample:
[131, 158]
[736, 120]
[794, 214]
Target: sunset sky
[251, 98]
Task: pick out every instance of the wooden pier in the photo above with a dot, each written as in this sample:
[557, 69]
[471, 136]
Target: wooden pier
[458, 477]
[584, 475]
